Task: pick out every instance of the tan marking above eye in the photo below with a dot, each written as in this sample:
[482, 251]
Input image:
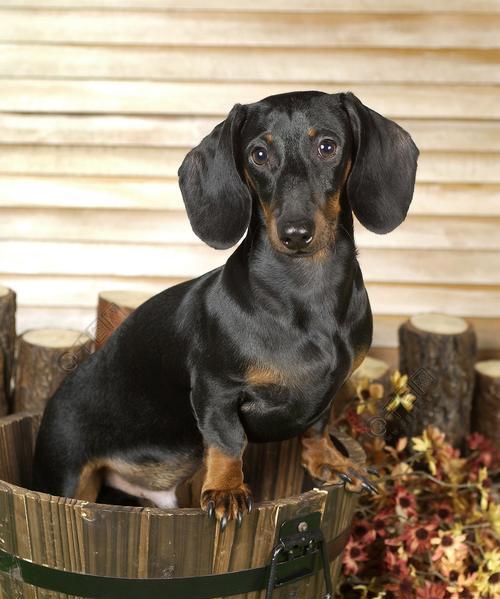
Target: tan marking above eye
[269, 138]
[312, 132]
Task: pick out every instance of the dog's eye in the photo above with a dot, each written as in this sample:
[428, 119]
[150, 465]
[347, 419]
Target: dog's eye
[259, 155]
[327, 148]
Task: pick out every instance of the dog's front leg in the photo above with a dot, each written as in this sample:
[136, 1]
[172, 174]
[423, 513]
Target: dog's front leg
[224, 493]
[326, 463]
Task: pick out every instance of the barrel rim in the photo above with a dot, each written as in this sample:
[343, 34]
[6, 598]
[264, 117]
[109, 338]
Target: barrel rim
[353, 449]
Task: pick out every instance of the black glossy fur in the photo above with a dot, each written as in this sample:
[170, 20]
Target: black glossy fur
[175, 375]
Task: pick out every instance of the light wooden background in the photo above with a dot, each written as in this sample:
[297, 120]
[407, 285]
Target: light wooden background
[100, 100]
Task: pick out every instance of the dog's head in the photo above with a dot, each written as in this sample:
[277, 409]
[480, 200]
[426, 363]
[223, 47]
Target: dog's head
[292, 156]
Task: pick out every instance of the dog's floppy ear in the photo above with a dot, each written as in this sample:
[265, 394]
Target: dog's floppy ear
[217, 200]
[381, 182]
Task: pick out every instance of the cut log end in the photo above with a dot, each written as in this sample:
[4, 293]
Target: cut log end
[376, 371]
[56, 338]
[489, 368]
[440, 324]
[113, 308]
[45, 357]
[371, 369]
[125, 299]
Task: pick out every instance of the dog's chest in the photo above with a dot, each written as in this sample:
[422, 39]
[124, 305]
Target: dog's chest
[288, 389]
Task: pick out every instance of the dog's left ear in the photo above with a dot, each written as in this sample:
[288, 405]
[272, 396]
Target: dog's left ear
[380, 185]
[217, 200]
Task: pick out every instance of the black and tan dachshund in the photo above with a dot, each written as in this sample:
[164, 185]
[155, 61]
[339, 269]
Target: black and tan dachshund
[256, 349]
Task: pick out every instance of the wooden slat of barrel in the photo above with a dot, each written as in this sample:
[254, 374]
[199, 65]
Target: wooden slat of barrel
[135, 542]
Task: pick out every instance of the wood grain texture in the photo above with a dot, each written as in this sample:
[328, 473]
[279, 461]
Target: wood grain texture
[153, 97]
[486, 404]
[172, 227]
[146, 542]
[429, 266]
[100, 102]
[385, 326]
[113, 307]
[121, 161]
[397, 65]
[45, 357]
[53, 292]
[186, 132]
[87, 192]
[7, 346]
[487, 331]
[366, 6]
[439, 361]
[325, 30]
[59, 291]
[446, 199]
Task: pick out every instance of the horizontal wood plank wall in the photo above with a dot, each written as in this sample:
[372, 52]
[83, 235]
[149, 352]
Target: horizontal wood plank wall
[101, 99]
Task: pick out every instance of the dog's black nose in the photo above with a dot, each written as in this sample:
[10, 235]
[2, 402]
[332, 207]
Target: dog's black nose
[296, 236]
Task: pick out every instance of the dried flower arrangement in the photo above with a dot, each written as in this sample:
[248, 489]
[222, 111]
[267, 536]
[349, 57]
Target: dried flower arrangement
[433, 531]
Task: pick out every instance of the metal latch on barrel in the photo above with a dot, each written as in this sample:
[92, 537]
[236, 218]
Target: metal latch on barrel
[301, 544]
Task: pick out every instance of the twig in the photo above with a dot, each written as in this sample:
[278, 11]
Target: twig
[430, 477]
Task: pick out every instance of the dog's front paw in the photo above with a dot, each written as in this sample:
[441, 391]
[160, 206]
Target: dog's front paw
[345, 473]
[328, 466]
[227, 504]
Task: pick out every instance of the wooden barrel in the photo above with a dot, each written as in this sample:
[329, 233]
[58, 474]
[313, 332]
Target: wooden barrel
[57, 548]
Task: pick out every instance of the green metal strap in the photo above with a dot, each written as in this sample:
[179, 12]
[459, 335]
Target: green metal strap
[193, 587]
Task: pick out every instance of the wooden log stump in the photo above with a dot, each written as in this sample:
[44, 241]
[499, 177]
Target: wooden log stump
[438, 353]
[486, 406]
[45, 357]
[376, 371]
[113, 308]
[7, 346]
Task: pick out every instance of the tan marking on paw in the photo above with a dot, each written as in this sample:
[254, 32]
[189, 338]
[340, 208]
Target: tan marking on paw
[324, 462]
[224, 486]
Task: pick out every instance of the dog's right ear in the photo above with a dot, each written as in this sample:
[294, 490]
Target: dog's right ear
[217, 200]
